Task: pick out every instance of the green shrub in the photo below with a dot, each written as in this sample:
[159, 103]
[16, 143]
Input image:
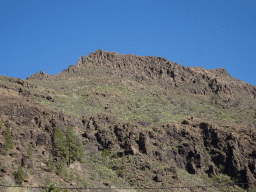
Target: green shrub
[93, 176]
[61, 168]
[51, 164]
[8, 141]
[85, 183]
[105, 153]
[222, 178]
[47, 181]
[71, 176]
[52, 188]
[120, 173]
[79, 178]
[20, 175]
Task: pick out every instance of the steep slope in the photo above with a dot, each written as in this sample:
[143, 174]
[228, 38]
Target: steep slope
[190, 90]
[140, 122]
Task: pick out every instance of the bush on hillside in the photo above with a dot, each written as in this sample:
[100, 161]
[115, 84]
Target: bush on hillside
[8, 141]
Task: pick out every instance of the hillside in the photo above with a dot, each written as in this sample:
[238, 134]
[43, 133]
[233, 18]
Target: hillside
[138, 122]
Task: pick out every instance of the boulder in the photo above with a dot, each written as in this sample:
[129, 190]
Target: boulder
[27, 163]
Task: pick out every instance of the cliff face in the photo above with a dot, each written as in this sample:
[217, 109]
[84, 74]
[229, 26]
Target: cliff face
[139, 153]
[198, 147]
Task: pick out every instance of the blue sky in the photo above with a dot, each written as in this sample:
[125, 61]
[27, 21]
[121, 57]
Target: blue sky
[50, 35]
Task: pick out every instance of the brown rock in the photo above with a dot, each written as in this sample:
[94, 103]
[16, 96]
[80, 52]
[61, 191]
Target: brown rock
[27, 163]
[158, 177]
[43, 139]
[28, 178]
[131, 147]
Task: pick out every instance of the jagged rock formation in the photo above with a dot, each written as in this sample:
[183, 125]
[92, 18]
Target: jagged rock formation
[199, 147]
[151, 69]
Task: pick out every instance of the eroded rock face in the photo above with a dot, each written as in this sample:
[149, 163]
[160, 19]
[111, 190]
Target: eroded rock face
[31, 124]
[231, 150]
[200, 147]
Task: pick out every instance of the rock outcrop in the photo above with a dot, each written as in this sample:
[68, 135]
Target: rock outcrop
[148, 69]
[200, 147]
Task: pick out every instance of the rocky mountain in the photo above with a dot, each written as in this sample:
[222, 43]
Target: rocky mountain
[137, 122]
[152, 70]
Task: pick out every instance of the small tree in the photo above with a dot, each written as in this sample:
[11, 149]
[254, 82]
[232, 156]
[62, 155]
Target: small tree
[67, 147]
[61, 168]
[74, 149]
[8, 141]
[60, 143]
[51, 164]
[20, 175]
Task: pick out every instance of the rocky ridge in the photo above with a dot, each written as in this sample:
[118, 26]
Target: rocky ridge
[149, 69]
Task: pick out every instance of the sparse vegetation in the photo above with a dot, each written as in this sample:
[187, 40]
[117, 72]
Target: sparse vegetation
[52, 188]
[51, 164]
[30, 151]
[120, 173]
[62, 168]
[20, 175]
[105, 153]
[8, 141]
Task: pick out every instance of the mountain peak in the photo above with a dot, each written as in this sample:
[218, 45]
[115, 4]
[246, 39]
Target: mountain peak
[100, 54]
[154, 70]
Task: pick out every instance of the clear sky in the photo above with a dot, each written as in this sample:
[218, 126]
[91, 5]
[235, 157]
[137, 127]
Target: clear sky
[49, 35]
